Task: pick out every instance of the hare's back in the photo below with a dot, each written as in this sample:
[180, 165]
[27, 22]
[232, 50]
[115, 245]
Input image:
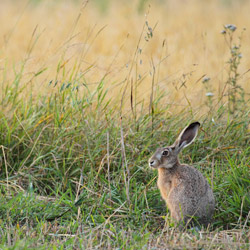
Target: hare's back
[193, 194]
[192, 181]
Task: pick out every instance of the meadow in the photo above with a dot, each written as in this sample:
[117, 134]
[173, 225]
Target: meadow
[89, 90]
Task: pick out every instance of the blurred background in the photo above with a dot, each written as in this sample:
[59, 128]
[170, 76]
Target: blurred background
[172, 46]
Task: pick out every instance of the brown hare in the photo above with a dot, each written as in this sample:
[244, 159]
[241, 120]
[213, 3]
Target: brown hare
[184, 189]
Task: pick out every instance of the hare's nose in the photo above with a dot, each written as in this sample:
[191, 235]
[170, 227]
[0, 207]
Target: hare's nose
[151, 163]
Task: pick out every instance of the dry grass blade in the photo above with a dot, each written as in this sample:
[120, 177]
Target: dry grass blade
[125, 168]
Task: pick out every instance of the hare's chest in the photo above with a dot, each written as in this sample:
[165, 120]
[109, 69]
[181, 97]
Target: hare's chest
[164, 185]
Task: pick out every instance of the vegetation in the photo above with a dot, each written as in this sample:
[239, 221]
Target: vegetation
[74, 151]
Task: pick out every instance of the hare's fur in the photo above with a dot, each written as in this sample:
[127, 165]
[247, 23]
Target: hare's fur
[184, 189]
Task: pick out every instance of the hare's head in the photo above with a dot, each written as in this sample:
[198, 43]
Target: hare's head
[167, 157]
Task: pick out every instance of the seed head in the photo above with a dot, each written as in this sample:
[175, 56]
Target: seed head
[231, 27]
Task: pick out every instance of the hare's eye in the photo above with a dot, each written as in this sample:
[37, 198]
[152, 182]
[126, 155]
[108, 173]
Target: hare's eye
[165, 152]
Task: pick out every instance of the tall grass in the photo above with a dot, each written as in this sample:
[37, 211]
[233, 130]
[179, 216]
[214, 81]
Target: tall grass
[73, 154]
[68, 147]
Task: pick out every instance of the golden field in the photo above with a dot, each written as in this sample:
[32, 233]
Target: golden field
[173, 44]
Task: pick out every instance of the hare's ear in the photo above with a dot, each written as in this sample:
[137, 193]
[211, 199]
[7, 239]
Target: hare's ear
[187, 136]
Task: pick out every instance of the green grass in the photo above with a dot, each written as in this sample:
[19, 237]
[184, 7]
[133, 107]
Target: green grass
[72, 146]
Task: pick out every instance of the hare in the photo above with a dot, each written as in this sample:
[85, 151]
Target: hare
[184, 189]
